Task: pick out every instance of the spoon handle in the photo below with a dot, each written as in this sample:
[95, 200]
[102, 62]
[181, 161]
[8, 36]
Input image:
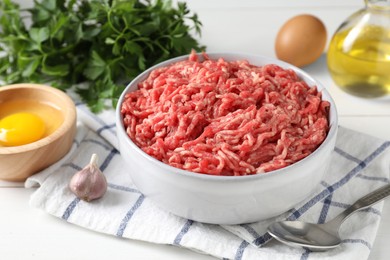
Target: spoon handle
[373, 197]
[362, 203]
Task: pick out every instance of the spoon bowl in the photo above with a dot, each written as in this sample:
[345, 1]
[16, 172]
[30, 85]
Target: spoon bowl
[316, 237]
[321, 237]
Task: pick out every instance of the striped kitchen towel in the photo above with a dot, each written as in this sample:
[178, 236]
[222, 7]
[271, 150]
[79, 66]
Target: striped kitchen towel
[360, 164]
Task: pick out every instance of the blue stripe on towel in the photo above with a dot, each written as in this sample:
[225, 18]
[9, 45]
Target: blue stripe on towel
[70, 208]
[305, 255]
[347, 155]
[325, 209]
[128, 216]
[262, 239]
[357, 241]
[259, 240]
[73, 166]
[240, 251]
[372, 210]
[374, 178]
[104, 145]
[108, 159]
[183, 231]
[101, 129]
[123, 188]
[250, 230]
[340, 204]
[345, 206]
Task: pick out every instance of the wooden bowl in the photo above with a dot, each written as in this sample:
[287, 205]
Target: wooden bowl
[17, 163]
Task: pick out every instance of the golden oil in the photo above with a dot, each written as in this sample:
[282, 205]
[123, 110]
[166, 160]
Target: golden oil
[359, 60]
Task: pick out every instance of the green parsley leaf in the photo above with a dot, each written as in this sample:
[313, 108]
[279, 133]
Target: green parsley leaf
[100, 44]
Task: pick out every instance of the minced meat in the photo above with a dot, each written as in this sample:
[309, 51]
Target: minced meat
[225, 118]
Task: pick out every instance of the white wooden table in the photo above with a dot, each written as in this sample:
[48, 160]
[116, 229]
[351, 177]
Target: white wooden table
[239, 26]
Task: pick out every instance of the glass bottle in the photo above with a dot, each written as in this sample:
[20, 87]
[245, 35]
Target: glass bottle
[359, 52]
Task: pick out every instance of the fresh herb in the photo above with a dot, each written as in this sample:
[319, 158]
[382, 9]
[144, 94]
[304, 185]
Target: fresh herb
[102, 43]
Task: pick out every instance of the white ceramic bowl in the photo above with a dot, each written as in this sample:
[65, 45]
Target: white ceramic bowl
[226, 199]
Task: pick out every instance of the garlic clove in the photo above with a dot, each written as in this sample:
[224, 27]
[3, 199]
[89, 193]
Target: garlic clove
[89, 183]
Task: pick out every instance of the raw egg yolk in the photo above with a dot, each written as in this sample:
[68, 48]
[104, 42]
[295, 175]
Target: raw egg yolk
[21, 128]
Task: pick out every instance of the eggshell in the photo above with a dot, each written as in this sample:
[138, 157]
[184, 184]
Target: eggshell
[301, 40]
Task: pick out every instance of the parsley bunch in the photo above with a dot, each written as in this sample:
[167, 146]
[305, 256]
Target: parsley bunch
[102, 43]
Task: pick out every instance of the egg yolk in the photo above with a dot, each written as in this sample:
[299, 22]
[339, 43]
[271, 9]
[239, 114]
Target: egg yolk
[21, 128]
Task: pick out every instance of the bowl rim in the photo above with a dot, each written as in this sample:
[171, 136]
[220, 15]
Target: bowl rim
[310, 80]
[69, 118]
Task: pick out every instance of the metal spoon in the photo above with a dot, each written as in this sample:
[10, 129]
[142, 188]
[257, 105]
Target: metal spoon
[321, 237]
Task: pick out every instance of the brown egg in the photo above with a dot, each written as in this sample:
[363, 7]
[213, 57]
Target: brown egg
[301, 40]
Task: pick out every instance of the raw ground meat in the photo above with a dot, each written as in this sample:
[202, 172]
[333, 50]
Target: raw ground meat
[225, 118]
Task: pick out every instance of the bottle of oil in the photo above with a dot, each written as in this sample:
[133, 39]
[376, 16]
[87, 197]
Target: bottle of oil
[359, 52]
